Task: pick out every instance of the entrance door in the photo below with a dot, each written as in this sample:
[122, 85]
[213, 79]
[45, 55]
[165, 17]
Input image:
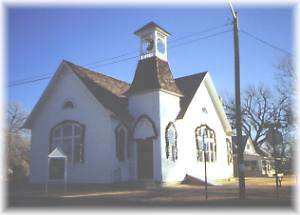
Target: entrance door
[145, 159]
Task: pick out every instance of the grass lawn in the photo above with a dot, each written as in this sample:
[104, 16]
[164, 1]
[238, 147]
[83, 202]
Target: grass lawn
[260, 193]
[261, 181]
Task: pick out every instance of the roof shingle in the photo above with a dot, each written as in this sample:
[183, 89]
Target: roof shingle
[107, 90]
[235, 144]
[188, 85]
[153, 73]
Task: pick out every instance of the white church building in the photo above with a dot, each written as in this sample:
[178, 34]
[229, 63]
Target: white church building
[91, 128]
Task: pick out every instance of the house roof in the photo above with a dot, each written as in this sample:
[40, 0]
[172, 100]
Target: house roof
[262, 152]
[235, 143]
[244, 142]
[150, 25]
[153, 73]
[188, 85]
[107, 90]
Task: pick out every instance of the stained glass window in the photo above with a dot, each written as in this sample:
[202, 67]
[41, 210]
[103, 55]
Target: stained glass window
[205, 143]
[69, 137]
[171, 142]
[229, 151]
[120, 144]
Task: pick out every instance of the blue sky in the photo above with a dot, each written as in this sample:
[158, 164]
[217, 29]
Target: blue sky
[40, 38]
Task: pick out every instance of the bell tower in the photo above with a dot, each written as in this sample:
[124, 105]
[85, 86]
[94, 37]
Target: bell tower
[153, 41]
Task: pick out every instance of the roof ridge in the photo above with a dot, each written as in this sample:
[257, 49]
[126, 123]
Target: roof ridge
[94, 72]
[187, 76]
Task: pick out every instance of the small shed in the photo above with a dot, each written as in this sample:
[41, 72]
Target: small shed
[57, 167]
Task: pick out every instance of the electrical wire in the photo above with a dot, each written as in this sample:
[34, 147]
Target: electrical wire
[96, 63]
[122, 60]
[265, 42]
[201, 38]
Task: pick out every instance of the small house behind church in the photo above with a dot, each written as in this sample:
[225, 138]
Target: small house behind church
[256, 163]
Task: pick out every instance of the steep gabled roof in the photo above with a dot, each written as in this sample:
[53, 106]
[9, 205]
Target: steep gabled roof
[151, 74]
[188, 85]
[245, 138]
[107, 90]
[262, 152]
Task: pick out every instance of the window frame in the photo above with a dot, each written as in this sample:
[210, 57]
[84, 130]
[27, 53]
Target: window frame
[229, 151]
[211, 143]
[73, 138]
[171, 149]
[125, 153]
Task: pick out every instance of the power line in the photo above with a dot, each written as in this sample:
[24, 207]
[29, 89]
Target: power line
[195, 40]
[110, 58]
[93, 64]
[201, 32]
[265, 42]
[171, 41]
[177, 45]
[47, 77]
[28, 80]
[114, 62]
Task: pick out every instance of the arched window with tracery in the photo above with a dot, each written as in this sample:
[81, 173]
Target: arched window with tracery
[69, 136]
[206, 143]
[121, 137]
[171, 142]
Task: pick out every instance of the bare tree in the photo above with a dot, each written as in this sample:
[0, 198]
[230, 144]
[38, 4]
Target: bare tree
[256, 111]
[16, 117]
[285, 86]
[17, 144]
[260, 105]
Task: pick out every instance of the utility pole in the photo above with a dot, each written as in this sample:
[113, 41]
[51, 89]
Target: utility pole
[241, 166]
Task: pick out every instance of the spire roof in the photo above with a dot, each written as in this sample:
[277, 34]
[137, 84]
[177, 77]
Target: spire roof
[151, 25]
[152, 74]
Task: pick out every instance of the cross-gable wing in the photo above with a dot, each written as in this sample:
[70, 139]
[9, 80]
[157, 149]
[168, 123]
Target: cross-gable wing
[107, 90]
[189, 86]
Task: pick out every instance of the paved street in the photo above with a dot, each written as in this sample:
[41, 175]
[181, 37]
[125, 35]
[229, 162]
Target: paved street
[260, 193]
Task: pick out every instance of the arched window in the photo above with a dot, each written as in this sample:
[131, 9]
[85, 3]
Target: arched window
[121, 143]
[171, 142]
[206, 143]
[69, 136]
[229, 151]
[68, 104]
